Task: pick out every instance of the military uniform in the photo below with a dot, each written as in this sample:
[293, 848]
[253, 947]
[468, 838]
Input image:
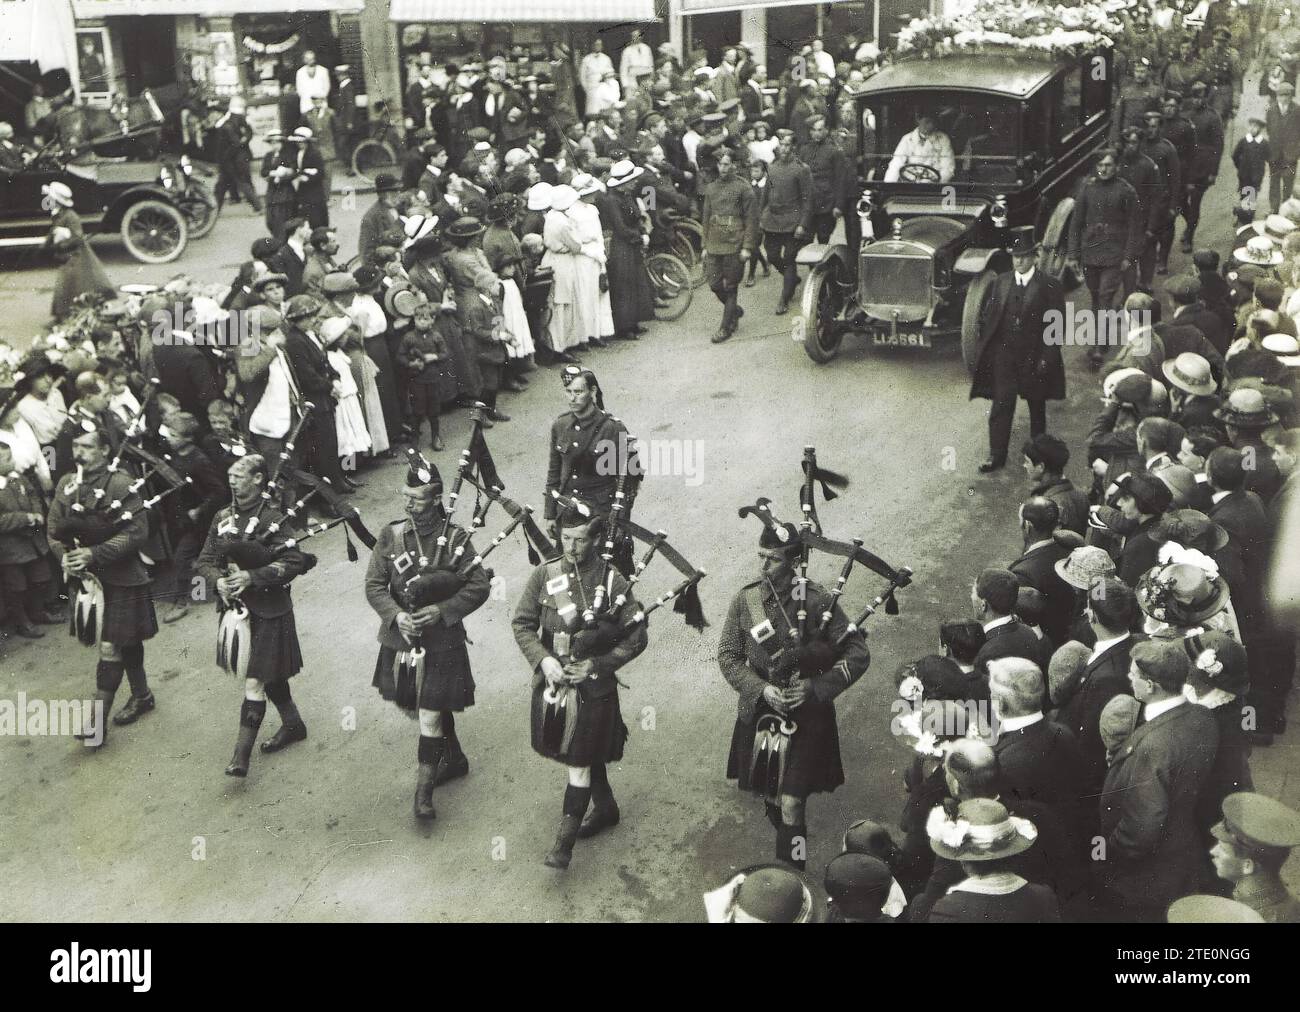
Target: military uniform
[582, 451]
[750, 654]
[1265, 831]
[1204, 167]
[1168, 199]
[730, 223]
[786, 205]
[1223, 74]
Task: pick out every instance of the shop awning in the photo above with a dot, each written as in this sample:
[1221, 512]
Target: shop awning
[207, 8]
[722, 6]
[606, 11]
[41, 32]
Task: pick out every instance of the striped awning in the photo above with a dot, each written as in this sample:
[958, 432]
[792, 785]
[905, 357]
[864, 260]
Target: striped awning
[86, 9]
[602, 11]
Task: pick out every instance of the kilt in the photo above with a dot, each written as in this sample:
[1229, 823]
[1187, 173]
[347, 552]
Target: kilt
[448, 683]
[273, 654]
[598, 737]
[813, 765]
[128, 615]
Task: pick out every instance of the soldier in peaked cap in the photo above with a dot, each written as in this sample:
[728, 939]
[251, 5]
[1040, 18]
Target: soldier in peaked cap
[423, 665]
[779, 682]
[1255, 839]
[575, 683]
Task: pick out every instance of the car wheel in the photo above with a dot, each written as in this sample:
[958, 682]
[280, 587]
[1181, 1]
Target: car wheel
[200, 215]
[154, 232]
[976, 293]
[821, 305]
[373, 157]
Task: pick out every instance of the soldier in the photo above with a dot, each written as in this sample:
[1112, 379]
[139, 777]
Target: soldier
[423, 665]
[755, 655]
[262, 591]
[1223, 72]
[1155, 259]
[548, 629]
[1255, 839]
[786, 214]
[730, 223]
[127, 615]
[1204, 167]
[1106, 236]
[1141, 173]
[830, 176]
[1139, 97]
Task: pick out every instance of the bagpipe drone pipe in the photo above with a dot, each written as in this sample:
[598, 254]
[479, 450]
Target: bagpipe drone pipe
[811, 648]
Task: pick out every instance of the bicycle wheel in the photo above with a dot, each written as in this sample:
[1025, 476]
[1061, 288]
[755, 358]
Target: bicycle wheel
[671, 281]
[688, 246]
[373, 157]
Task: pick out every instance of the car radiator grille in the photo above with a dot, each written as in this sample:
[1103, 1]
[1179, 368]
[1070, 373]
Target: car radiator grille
[895, 281]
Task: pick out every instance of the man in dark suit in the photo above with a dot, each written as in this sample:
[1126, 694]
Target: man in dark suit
[234, 159]
[278, 171]
[1040, 759]
[345, 113]
[1282, 122]
[1039, 519]
[187, 372]
[316, 381]
[1110, 611]
[1148, 804]
[312, 200]
[1143, 499]
[1013, 357]
[1190, 311]
[291, 259]
[1045, 460]
[993, 598]
[381, 217]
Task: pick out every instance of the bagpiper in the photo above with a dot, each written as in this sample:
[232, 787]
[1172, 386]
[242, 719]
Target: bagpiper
[788, 650]
[112, 605]
[422, 602]
[250, 560]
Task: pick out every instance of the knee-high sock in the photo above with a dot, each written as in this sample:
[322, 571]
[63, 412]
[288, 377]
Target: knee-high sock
[252, 712]
[279, 694]
[430, 750]
[108, 676]
[576, 800]
[133, 659]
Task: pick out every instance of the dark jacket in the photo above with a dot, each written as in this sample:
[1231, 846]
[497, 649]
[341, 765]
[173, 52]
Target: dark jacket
[829, 170]
[1251, 157]
[1283, 133]
[787, 201]
[1037, 568]
[287, 262]
[115, 562]
[1010, 639]
[1140, 553]
[1210, 324]
[1070, 502]
[311, 369]
[1030, 904]
[1104, 678]
[21, 540]
[1020, 355]
[1107, 225]
[189, 374]
[1043, 762]
[1148, 804]
[268, 596]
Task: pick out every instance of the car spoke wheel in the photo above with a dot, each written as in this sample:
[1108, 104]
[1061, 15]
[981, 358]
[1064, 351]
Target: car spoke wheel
[821, 305]
[373, 157]
[670, 280]
[200, 216]
[154, 232]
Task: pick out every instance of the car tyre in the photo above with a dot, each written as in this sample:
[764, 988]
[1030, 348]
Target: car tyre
[820, 306]
[976, 294]
[154, 232]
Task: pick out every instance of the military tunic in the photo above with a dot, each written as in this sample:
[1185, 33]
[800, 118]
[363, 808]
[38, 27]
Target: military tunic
[273, 652]
[549, 614]
[398, 556]
[128, 605]
[586, 457]
[750, 659]
[1268, 897]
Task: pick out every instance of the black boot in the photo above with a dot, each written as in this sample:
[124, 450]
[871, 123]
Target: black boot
[454, 763]
[136, 707]
[90, 728]
[575, 805]
[788, 838]
[292, 728]
[250, 720]
[604, 809]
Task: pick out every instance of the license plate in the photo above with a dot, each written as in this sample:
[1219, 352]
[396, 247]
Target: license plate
[921, 340]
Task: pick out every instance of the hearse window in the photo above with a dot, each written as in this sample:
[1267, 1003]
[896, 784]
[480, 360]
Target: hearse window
[1069, 102]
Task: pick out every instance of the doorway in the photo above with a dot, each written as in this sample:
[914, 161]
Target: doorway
[148, 51]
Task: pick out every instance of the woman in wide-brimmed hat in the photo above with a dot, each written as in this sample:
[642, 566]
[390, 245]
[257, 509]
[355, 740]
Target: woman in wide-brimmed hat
[1184, 591]
[575, 301]
[1259, 250]
[633, 301]
[80, 271]
[591, 214]
[464, 263]
[506, 258]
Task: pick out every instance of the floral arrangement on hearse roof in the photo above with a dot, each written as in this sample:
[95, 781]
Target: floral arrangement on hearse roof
[1031, 29]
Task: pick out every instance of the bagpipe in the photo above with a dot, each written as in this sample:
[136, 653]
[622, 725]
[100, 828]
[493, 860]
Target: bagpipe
[601, 627]
[94, 519]
[812, 648]
[439, 576]
[256, 543]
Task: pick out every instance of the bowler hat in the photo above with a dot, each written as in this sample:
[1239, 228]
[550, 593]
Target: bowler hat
[1190, 373]
[1246, 409]
[982, 831]
[465, 228]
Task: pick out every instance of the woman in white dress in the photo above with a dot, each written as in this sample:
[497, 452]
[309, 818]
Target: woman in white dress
[591, 267]
[563, 251]
[349, 419]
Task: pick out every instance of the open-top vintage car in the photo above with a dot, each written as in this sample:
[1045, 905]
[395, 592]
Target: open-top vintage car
[1023, 130]
[118, 185]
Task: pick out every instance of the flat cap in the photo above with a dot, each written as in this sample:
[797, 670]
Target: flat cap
[1184, 288]
[1162, 660]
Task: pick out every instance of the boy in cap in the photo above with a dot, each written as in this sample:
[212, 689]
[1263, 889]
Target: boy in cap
[1251, 157]
[425, 357]
[1255, 838]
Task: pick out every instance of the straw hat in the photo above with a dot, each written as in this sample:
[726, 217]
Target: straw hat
[1259, 250]
[1246, 409]
[624, 172]
[1275, 226]
[1190, 373]
[563, 197]
[58, 193]
[983, 831]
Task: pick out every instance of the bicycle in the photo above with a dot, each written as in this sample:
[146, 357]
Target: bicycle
[670, 279]
[684, 238]
[378, 152]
